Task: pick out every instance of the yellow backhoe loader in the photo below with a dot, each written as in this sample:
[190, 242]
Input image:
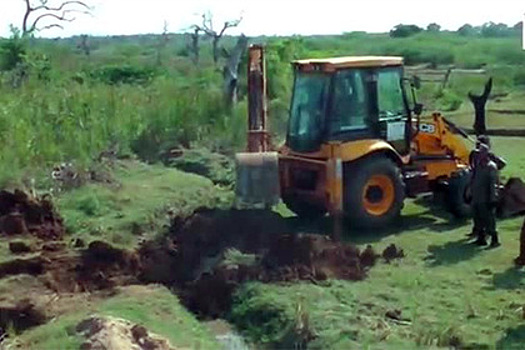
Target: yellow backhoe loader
[356, 143]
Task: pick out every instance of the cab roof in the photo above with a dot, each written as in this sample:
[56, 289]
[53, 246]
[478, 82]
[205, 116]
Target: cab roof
[331, 64]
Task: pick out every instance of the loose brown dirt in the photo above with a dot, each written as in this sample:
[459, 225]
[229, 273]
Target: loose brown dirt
[512, 198]
[20, 214]
[191, 258]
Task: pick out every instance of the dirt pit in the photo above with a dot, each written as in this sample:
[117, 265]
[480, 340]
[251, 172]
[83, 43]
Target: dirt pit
[204, 258]
[194, 257]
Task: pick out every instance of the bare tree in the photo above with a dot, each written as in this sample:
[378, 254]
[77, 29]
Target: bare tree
[193, 44]
[162, 43]
[479, 102]
[207, 28]
[36, 16]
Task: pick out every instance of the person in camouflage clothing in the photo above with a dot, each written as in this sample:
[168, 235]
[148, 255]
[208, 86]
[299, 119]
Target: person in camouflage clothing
[484, 197]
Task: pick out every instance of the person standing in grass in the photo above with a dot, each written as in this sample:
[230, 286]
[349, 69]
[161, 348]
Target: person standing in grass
[484, 197]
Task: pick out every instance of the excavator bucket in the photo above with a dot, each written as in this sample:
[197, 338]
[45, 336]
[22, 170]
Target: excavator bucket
[257, 179]
[512, 198]
[257, 169]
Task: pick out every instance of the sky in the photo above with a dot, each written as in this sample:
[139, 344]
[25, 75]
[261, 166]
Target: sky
[272, 17]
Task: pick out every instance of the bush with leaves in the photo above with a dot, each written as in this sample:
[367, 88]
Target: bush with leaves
[12, 51]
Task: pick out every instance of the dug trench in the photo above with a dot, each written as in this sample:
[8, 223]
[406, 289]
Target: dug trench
[211, 250]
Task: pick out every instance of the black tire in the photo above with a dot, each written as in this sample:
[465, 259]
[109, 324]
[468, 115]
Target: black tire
[303, 209]
[456, 195]
[359, 195]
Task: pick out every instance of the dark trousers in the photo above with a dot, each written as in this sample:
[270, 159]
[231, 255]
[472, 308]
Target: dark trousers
[484, 220]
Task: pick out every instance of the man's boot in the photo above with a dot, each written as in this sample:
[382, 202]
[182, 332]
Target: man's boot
[494, 242]
[481, 241]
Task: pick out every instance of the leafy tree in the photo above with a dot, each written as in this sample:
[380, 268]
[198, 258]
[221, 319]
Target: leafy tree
[404, 30]
[433, 27]
[466, 30]
[495, 30]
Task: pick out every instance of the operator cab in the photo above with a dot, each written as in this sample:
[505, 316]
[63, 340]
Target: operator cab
[347, 99]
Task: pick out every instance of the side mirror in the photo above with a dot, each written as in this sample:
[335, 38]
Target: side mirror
[418, 108]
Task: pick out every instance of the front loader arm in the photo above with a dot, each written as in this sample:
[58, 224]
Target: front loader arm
[441, 138]
[453, 138]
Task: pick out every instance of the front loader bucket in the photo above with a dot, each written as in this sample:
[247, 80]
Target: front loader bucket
[512, 198]
[257, 181]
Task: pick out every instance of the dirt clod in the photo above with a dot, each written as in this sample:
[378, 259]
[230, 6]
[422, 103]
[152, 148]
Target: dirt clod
[19, 247]
[32, 266]
[368, 257]
[392, 252]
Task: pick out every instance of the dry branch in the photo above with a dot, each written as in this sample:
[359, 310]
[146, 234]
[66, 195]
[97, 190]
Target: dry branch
[58, 14]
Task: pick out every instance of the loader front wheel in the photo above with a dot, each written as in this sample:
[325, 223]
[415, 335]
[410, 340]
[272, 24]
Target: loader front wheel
[373, 192]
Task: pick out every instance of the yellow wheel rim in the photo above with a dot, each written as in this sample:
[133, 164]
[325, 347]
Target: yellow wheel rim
[378, 195]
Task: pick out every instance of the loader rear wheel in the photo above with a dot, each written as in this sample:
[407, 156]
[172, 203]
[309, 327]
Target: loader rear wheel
[373, 192]
[303, 209]
[457, 195]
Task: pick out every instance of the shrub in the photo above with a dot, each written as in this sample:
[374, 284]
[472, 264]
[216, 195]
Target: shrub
[123, 74]
[448, 101]
[12, 52]
[404, 30]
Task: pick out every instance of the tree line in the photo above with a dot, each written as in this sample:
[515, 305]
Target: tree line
[486, 30]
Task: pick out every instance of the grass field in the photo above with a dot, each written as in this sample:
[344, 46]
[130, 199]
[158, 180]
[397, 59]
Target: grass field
[155, 307]
[449, 291]
[138, 205]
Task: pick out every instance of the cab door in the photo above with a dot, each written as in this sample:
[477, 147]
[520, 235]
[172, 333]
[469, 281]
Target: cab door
[392, 108]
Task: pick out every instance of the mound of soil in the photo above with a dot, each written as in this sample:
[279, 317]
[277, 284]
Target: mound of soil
[116, 334]
[100, 266]
[22, 214]
[512, 198]
[192, 256]
[193, 259]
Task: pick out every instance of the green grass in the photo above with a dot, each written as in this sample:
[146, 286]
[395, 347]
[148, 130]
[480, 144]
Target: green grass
[139, 205]
[154, 307]
[447, 288]
[465, 115]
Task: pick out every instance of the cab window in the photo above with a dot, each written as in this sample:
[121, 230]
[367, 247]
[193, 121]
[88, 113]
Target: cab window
[390, 94]
[350, 101]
